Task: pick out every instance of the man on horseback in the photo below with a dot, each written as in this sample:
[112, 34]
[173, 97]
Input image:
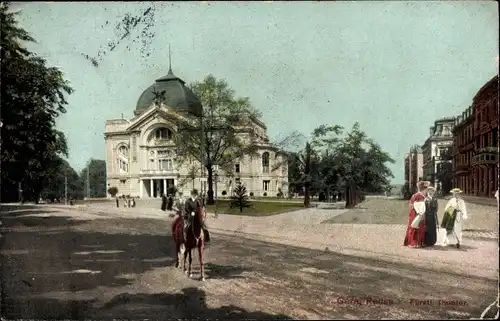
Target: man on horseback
[191, 206]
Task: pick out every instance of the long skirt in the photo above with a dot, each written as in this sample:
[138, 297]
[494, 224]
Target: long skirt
[431, 230]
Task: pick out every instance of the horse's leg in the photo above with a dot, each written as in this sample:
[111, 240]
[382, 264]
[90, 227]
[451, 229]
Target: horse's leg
[200, 256]
[190, 262]
[185, 259]
[177, 253]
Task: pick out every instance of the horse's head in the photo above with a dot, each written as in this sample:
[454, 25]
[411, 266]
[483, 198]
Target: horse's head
[199, 216]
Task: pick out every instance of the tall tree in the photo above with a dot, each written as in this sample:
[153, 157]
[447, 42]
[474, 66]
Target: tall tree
[60, 173]
[225, 133]
[33, 95]
[96, 184]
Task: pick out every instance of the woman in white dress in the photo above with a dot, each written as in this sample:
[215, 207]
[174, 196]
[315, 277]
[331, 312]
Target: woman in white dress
[453, 219]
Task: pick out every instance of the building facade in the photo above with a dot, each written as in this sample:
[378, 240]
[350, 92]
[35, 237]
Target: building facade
[485, 156]
[142, 159]
[463, 149]
[414, 162]
[437, 152]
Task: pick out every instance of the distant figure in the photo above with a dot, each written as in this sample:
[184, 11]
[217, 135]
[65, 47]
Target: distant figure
[170, 202]
[431, 219]
[163, 202]
[179, 204]
[132, 202]
[117, 202]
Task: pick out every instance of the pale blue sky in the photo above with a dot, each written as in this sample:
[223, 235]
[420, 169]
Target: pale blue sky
[392, 66]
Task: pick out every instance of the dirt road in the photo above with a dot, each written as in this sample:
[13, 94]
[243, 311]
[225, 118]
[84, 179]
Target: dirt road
[57, 267]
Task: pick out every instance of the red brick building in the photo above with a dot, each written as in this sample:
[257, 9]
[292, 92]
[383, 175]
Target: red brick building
[463, 148]
[475, 144]
[485, 156]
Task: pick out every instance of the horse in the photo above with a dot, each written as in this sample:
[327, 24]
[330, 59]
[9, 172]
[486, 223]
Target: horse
[195, 238]
[179, 241]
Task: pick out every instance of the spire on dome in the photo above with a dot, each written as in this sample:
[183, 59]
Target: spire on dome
[169, 61]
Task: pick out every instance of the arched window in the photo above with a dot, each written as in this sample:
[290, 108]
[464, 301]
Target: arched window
[163, 133]
[122, 159]
[265, 162]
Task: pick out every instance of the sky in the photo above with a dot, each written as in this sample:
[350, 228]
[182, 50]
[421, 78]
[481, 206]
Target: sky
[394, 67]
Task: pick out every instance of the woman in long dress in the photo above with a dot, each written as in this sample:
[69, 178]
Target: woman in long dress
[454, 216]
[415, 232]
[431, 220]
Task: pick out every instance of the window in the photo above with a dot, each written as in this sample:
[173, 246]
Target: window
[123, 165]
[163, 133]
[122, 159]
[165, 164]
[165, 160]
[236, 168]
[265, 185]
[123, 150]
[265, 162]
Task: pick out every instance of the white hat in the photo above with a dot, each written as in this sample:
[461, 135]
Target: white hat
[456, 190]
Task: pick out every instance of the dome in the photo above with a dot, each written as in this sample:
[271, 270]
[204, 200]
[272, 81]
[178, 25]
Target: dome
[177, 95]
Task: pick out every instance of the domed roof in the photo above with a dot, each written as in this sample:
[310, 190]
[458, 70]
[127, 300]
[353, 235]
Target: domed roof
[175, 95]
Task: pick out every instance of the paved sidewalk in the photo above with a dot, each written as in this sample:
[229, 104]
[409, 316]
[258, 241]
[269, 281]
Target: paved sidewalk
[304, 228]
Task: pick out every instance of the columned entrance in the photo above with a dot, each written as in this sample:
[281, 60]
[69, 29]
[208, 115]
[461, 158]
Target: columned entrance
[155, 187]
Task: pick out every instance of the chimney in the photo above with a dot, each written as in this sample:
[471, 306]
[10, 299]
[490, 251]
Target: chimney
[431, 130]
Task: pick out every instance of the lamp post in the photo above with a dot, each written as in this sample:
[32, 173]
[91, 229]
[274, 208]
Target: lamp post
[216, 180]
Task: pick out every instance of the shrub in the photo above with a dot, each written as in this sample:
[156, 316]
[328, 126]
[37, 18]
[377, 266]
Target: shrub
[240, 198]
[113, 191]
[224, 193]
[251, 194]
[172, 190]
[280, 193]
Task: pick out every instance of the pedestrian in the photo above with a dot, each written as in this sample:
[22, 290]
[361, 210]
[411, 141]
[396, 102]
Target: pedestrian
[117, 202]
[132, 202]
[163, 202]
[453, 218]
[415, 230]
[431, 219]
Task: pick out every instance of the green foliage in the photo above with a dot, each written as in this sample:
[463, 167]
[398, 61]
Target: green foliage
[171, 191]
[240, 199]
[224, 193]
[33, 96]
[332, 162]
[59, 171]
[406, 191]
[97, 177]
[280, 193]
[223, 117]
[113, 191]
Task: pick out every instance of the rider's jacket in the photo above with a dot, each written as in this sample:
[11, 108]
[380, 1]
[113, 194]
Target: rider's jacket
[189, 207]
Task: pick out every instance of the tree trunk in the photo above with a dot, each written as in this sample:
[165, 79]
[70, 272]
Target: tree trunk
[210, 183]
[350, 196]
[307, 196]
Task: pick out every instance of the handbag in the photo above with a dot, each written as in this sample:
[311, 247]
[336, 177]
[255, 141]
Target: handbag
[416, 221]
[449, 219]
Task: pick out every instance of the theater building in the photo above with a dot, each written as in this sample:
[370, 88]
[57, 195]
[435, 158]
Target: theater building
[485, 155]
[142, 158]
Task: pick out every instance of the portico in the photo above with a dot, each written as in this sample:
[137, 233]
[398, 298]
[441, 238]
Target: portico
[155, 186]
